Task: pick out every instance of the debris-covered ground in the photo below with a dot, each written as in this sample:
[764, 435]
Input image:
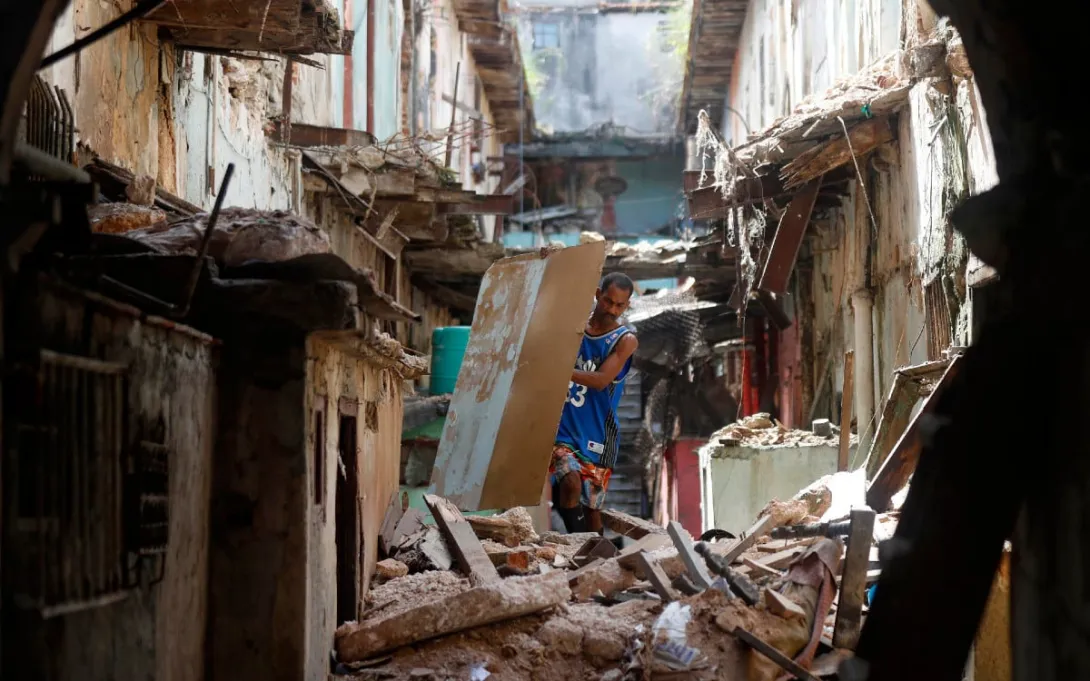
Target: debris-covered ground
[490, 598]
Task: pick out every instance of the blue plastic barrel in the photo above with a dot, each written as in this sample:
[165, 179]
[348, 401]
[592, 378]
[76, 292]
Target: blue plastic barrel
[448, 348]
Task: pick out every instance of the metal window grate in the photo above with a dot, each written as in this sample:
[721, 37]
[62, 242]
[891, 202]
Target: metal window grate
[67, 526]
[50, 122]
[147, 491]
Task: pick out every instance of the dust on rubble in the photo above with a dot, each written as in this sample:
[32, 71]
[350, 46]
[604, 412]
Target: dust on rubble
[761, 430]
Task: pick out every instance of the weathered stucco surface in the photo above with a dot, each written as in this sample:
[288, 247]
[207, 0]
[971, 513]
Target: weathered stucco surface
[158, 631]
[908, 255]
[341, 385]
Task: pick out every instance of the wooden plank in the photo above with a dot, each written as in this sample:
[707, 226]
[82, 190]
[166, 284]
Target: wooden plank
[901, 463]
[783, 661]
[694, 564]
[654, 574]
[849, 614]
[394, 512]
[463, 542]
[759, 568]
[846, 411]
[864, 138]
[758, 529]
[788, 239]
[628, 525]
[303, 135]
[896, 414]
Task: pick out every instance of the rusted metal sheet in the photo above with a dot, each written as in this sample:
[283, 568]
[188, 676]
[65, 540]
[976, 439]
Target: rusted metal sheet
[497, 441]
[303, 135]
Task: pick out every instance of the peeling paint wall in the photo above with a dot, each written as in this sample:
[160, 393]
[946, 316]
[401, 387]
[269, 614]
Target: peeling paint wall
[907, 255]
[339, 386]
[158, 631]
[181, 117]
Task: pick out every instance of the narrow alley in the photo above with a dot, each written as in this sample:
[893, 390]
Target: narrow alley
[294, 289]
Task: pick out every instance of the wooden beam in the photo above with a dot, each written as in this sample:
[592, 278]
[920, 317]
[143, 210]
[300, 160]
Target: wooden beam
[896, 414]
[864, 138]
[444, 295]
[302, 135]
[849, 612]
[462, 541]
[783, 661]
[901, 463]
[788, 239]
[654, 574]
[491, 204]
[629, 526]
[846, 411]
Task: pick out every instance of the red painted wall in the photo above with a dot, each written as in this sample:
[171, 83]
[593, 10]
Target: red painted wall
[684, 464]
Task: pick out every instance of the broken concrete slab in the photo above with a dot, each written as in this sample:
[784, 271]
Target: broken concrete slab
[476, 607]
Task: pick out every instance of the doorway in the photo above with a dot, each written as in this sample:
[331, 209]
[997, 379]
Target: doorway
[347, 522]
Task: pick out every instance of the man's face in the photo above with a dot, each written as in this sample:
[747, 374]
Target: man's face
[612, 303]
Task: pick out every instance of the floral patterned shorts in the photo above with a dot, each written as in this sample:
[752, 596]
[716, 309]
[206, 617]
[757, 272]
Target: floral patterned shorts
[595, 478]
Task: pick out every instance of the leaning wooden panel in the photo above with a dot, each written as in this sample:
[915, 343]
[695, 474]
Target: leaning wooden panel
[527, 326]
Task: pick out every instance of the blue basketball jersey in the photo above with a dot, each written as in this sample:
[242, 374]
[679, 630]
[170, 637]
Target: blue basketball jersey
[589, 421]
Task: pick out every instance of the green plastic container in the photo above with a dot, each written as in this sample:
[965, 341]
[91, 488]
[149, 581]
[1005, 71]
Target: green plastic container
[448, 348]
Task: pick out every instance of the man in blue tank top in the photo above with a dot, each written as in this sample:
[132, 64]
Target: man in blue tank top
[585, 448]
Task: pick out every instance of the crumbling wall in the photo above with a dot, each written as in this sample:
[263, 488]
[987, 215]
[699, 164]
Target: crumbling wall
[115, 86]
[157, 631]
[181, 117]
[258, 569]
[891, 233]
[791, 48]
[340, 385]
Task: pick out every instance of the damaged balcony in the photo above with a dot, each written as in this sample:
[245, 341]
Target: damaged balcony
[294, 27]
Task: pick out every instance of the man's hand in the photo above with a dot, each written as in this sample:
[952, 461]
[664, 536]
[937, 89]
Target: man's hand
[607, 373]
[546, 251]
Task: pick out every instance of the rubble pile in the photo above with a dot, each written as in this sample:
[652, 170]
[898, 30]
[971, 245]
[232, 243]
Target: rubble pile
[761, 430]
[490, 597]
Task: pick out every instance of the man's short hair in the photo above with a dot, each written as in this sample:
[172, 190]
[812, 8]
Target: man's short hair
[618, 279]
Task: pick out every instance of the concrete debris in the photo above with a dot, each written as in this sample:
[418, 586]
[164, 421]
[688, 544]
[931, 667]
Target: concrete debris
[513, 527]
[390, 568]
[597, 621]
[242, 235]
[476, 607]
[760, 430]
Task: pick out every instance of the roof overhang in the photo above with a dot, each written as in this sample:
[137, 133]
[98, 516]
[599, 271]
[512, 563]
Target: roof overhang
[713, 40]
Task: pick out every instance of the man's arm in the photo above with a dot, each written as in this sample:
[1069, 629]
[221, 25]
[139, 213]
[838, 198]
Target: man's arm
[600, 379]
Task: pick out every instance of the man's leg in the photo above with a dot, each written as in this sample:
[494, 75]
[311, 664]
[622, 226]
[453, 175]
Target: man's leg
[568, 489]
[594, 496]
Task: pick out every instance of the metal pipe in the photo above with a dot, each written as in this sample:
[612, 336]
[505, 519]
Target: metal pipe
[206, 240]
[863, 304]
[139, 11]
[40, 163]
